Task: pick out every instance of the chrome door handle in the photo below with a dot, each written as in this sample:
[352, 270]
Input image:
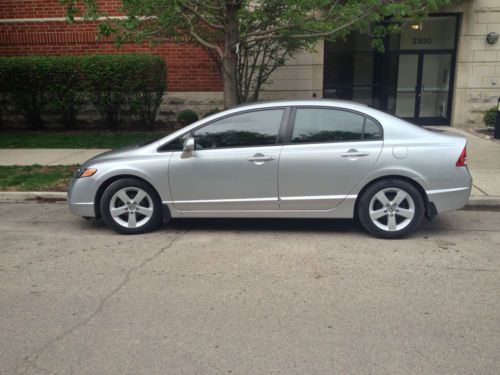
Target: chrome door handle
[354, 154]
[260, 158]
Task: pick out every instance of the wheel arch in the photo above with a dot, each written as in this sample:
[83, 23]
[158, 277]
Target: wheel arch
[110, 180]
[430, 209]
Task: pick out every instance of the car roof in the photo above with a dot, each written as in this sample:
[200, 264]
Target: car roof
[303, 102]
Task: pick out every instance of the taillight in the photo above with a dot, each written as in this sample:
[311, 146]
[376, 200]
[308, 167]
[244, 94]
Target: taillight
[462, 160]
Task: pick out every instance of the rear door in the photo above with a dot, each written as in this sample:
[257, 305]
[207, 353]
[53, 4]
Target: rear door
[327, 152]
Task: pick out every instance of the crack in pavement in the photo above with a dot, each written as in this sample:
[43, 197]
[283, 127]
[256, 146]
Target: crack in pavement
[102, 303]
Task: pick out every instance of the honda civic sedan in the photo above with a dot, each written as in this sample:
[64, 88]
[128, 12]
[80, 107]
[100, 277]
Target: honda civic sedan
[290, 159]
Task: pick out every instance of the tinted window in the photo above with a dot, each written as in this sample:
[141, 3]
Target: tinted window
[256, 128]
[372, 131]
[326, 125]
[175, 145]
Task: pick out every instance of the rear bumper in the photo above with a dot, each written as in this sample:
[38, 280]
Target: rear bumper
[449, 199]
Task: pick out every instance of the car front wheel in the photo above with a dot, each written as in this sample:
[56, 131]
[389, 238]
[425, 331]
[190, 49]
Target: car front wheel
[130, 206]
[391, 208]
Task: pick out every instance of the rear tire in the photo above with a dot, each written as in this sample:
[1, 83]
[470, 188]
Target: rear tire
[131, 206]
[391, 208]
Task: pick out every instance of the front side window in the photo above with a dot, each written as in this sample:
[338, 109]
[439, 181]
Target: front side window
[175, 145]
[257, 128]
[318, 125]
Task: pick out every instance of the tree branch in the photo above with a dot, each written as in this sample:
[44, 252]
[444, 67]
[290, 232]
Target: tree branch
[200, 40]
[201, 18]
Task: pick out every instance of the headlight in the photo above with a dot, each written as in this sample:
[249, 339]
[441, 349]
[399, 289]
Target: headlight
[85, 172]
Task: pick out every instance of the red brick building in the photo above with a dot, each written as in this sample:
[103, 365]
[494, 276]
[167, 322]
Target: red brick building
[39, 27]
[443, 70]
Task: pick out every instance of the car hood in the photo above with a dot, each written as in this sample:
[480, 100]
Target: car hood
[113, 154]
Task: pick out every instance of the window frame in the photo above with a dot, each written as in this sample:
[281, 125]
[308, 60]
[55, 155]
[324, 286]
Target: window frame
[291, 124]
[279, 137]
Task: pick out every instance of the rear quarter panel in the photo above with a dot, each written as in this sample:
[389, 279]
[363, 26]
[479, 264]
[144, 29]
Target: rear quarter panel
[425, 156]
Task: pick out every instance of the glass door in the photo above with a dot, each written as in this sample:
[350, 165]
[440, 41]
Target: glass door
[422, 89]
[434, 87]
[406, 86]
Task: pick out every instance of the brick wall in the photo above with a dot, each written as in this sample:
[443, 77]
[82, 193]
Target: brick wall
[189, 67]
[47, 8]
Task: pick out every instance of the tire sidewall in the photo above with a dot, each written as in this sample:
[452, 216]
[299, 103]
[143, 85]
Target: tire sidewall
[364, 208]
[153, 222]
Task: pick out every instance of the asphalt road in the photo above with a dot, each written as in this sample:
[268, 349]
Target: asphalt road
[247, 297]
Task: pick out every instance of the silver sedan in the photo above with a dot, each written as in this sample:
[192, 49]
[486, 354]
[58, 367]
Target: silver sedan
[290, 159]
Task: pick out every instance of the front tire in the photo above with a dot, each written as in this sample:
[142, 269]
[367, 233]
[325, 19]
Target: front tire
[391, 208]
[130, 206]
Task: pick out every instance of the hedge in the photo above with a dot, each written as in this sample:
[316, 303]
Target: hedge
[38, 85]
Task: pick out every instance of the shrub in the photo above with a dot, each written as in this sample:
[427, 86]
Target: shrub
[105, 81]
[187, 117]
[37, 85]
[65, 93]
[25, 81]
[212, 112]
[490, 116]
[148, 83]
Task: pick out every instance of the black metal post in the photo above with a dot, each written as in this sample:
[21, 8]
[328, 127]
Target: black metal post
[497, 122]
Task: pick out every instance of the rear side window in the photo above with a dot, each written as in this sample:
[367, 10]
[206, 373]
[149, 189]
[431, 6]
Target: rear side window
[372, 131]
[257, 128]
[320, 125]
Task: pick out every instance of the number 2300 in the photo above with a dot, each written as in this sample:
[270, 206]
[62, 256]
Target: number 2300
[421, 41]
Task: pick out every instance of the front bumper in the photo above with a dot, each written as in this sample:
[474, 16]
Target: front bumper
[81, 193]
[82, 209]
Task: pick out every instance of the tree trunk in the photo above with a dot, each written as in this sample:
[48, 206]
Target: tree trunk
[231, 38]
[229, 81]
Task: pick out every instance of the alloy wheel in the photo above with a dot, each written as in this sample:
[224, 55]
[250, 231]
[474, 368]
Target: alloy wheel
[392, 209]
[131, 207]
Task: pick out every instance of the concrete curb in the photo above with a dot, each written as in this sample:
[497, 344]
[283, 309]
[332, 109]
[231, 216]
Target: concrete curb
[475, 202]
[483, 203]
[26, 196]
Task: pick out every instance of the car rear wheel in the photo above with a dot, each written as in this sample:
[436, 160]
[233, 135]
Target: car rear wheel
[130, 206]
[391, 208]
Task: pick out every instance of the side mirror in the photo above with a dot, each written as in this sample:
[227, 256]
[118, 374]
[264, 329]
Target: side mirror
[189, 145]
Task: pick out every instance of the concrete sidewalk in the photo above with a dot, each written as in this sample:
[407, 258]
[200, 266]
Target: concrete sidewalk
[46, 156]
[483, 159]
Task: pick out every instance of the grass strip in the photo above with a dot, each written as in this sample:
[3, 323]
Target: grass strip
[36, 177]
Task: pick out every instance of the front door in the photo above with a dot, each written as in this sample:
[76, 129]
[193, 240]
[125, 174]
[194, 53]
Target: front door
[423, 93]
[329, 152]
[234, 165]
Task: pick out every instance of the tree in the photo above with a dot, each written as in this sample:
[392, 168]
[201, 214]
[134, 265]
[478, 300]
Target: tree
[249, 34]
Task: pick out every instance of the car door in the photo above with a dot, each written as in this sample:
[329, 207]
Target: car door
[328, 152]
[234, 165]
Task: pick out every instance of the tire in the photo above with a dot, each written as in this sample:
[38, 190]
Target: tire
[395, 216]
[137, 217]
